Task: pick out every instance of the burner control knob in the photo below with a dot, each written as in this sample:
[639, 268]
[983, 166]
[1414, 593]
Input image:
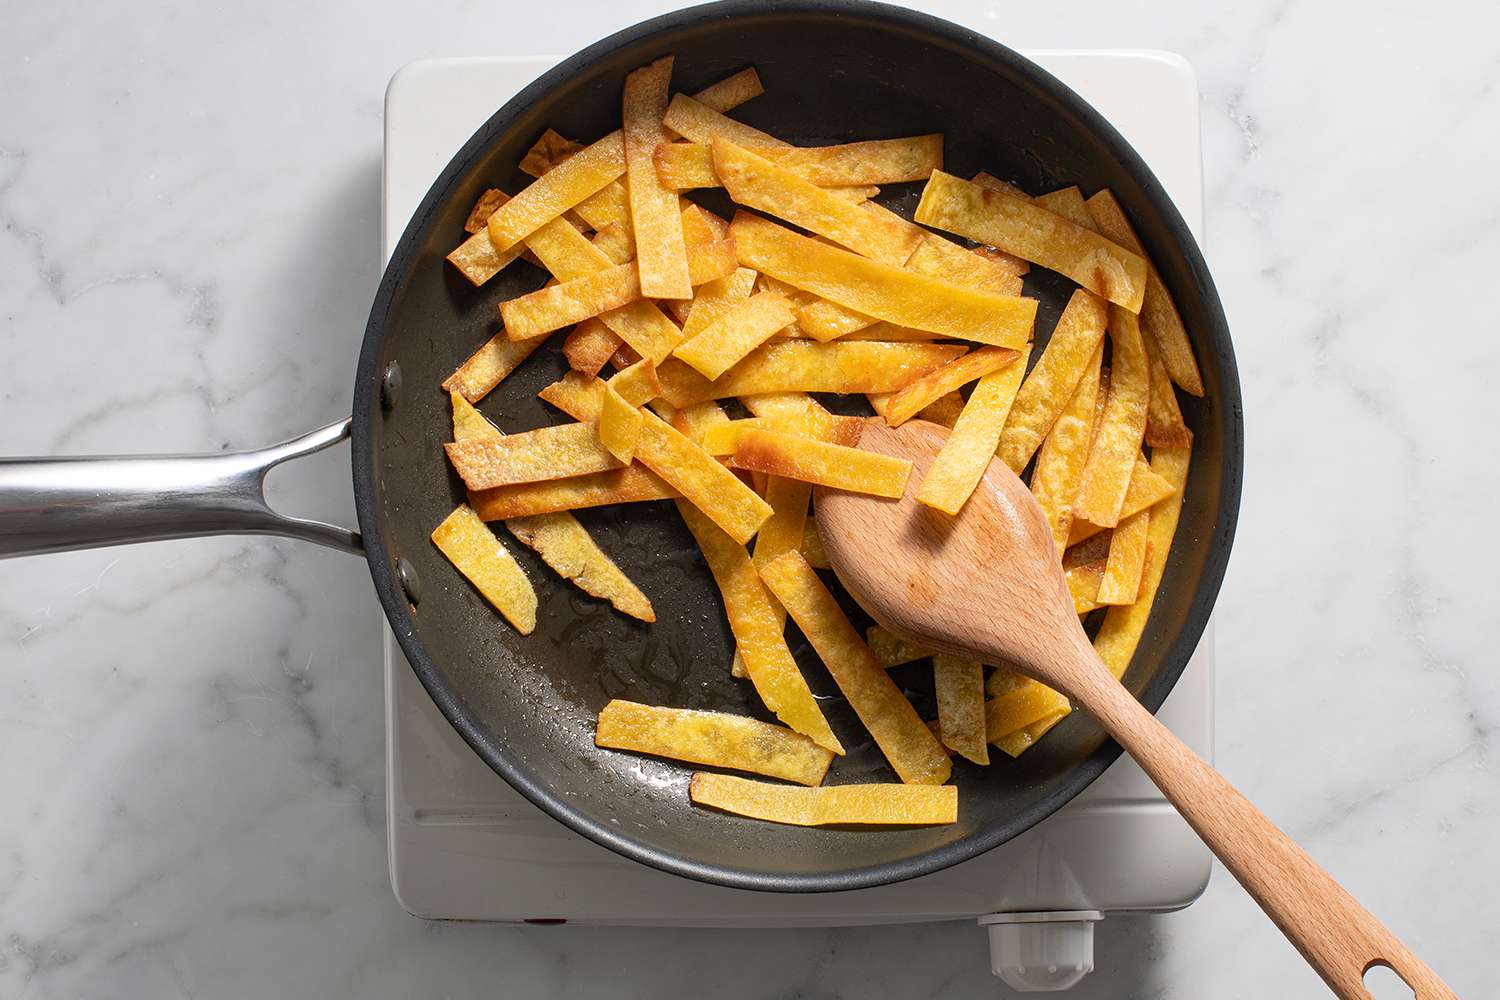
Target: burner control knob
[1041, 952]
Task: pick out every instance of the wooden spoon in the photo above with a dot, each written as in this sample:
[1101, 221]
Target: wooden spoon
[988, 585]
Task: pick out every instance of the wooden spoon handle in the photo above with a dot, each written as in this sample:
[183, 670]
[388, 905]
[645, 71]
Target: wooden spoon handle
[1338, 937]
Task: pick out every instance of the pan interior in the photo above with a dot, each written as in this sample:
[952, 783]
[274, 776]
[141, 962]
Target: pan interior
[527, 703]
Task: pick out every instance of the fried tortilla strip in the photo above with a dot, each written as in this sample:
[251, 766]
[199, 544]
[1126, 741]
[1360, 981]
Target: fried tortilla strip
[560, 189]
[1065, 450]
[475, 552]
[758, 633]
[557, 537]
[1018, 708]
[732, 91]
[1068, 203]
[638, 383]
[714, 738]
[898, 730]
[1117, 441]
[1160, 321]
[697, 122]
[881, 290]
[548, 151]
[944, 410]
[812, 546]
[1023, 739]
[928, 389]
[755, 182]
[1127, 560]
[789, 498]
[685, 165]
[809, 460]
[715, 298]
[589, 346]
[1083, 585]
[961, 710]
[1050, 384]
[807, 366]
[1124, 625]
[972, 442]
[545, 453]
[727, 340]
[825, 321]
[673, 456]
[947, 261]
[696, 420]
[492, 199]
[619, 426]
[610, 206]
[567, 302]
[891, 333]
[488, 366]
[632, 484]
[1027, 230]
[656, 219]
[891, 650]
[857, 805]
[1146, 490]
[1165, 427]
[986, 180]
[799, 413]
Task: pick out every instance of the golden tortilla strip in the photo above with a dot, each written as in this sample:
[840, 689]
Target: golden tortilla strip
[632, 484]
[475, 552]
[1096, 549]
[1146, 490]
[488, 366]
[1127, 559]
[959, 684]
[619, 426]
[807, 366]
[685, 165]
[732, 91]
[857, 805]
[476, 257]
[561, 188]
[548, 151]
[809, 460]
[697, 122]
[741, 329]
[812, 546]
[545, 453]
[1117, 441]
[567, 302]
[1124, 625]
[468, 423]
[490, 200]
[987, 180]
[1023, 739]
[972, 442]
[1083, 585]
[799, 413]
[758, 633]
[1068, 203]
[824, 321]
[656, 219]
[881, 290]
[1165, 427]
[637, 383]
[1027, 230]
[696, 420]
[1021, 707]
[891, 650]
[713, 299]
[947, 261]
[714, 738]
[1160, 321]
[1051, 381]
[1065, 450]
[959, 372]
[944, 410]
[609, 206]
[676, 458]
[640, 324]
[898, 730]
[891, 333]
[789, 499]
[589, 346]
[755, 182]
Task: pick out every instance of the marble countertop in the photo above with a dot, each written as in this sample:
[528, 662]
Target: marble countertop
[191, 734]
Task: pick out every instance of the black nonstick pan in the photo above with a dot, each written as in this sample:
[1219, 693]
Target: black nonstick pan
[834, 72]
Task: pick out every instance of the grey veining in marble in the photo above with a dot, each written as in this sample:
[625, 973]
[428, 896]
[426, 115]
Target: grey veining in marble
[191, 734]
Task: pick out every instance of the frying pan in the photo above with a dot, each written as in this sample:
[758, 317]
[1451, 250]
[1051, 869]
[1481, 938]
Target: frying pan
[834, 72]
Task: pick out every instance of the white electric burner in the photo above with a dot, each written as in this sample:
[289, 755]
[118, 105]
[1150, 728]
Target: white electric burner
[465, 846]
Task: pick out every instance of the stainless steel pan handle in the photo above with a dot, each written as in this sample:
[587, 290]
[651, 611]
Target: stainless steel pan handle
[57, 504]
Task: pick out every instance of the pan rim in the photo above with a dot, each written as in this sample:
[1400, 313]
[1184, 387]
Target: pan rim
[368, 404]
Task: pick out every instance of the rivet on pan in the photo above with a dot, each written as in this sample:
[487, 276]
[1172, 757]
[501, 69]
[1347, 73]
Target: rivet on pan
[411, 583]
[390, 385]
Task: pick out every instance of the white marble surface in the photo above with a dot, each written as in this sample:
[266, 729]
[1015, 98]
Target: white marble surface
[191, 738]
